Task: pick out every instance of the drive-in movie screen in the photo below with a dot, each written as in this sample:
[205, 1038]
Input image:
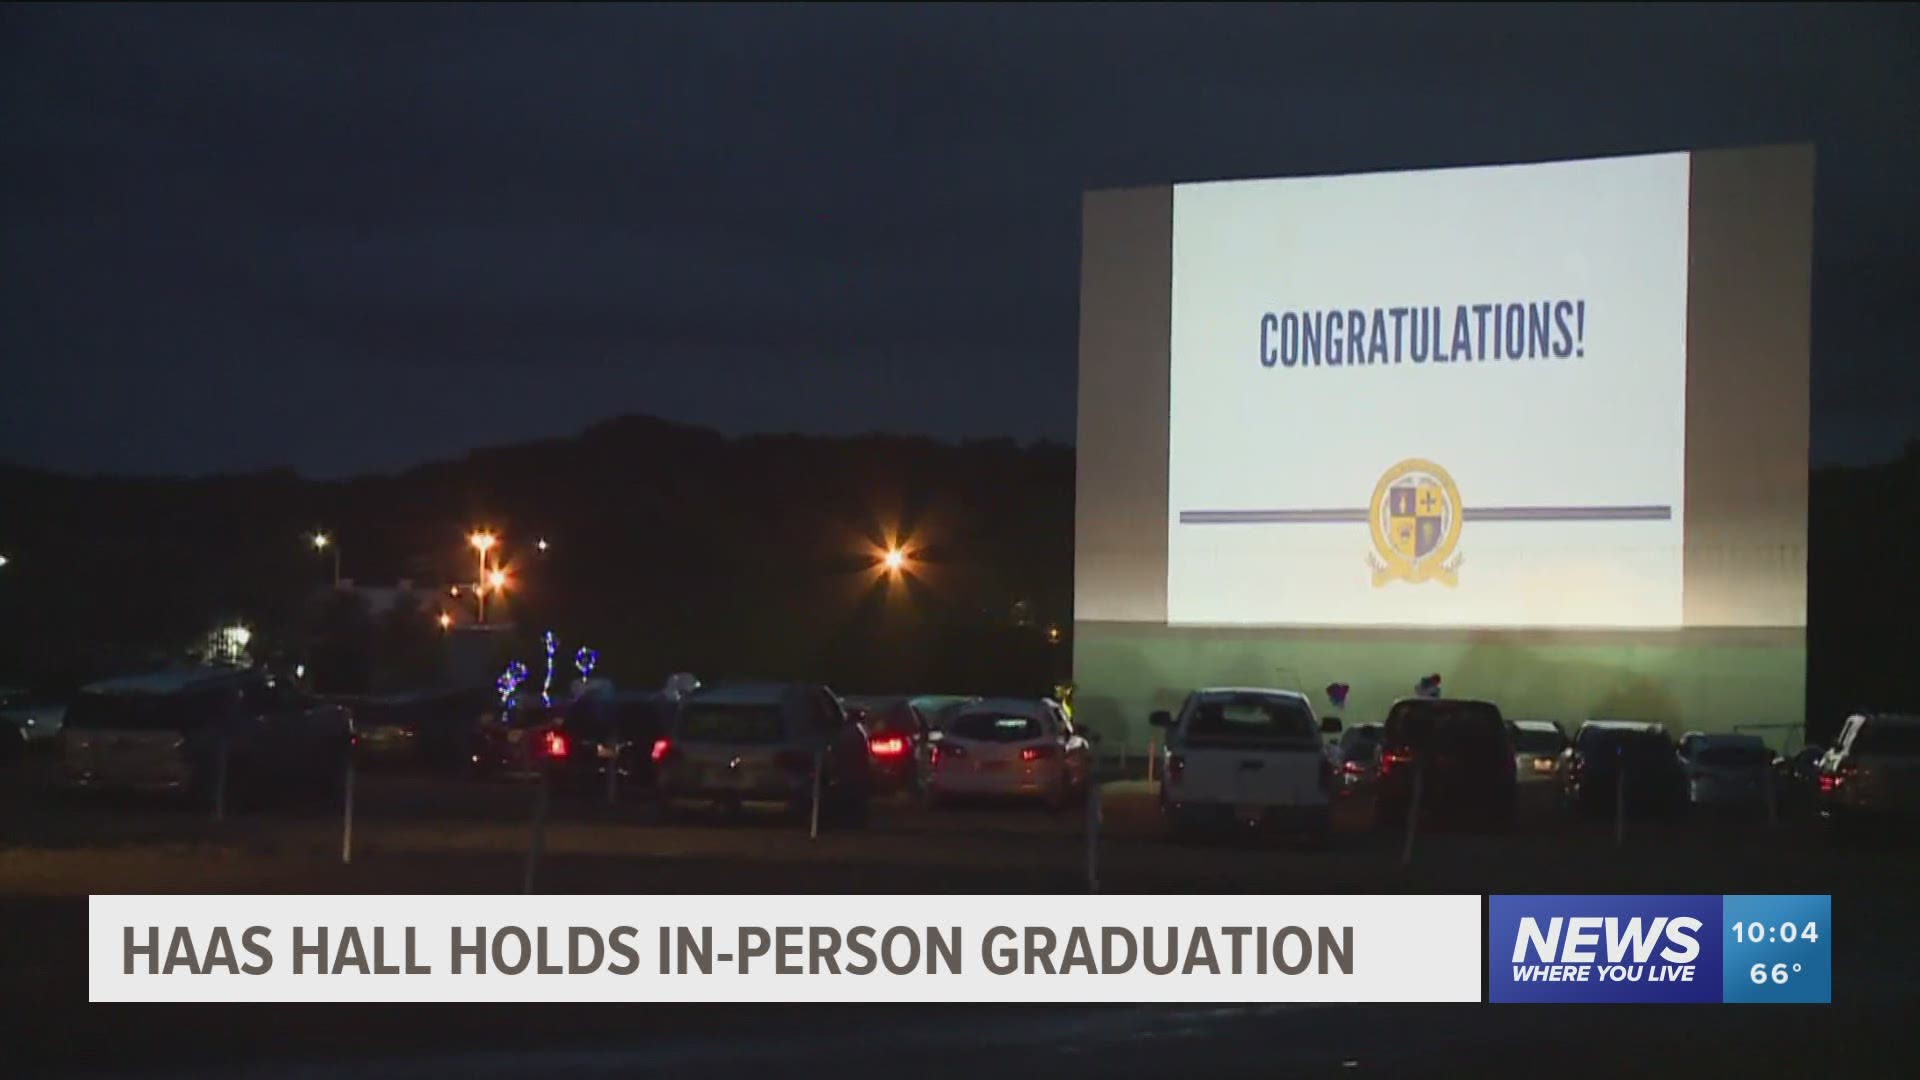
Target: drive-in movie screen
[959, 540]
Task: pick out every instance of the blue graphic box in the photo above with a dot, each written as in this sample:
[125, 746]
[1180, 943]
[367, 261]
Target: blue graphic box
[1604, 949]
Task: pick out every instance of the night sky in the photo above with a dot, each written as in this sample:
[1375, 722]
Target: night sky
[349, 239]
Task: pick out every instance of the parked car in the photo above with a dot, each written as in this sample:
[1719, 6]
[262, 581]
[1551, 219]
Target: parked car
[1631, 763]
[1797, 778]
[617, 730]
[420, 730]
[1245, 756]
[1872, 771]
[897, 739]
[759, 745]
[28, 720]
[1537, 746]
[517, 740]
[1010, 748]
[181, 731]
[1356, 756]
[1457, 752]
[1730, 772]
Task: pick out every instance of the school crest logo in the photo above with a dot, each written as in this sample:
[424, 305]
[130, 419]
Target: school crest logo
[1415, 519]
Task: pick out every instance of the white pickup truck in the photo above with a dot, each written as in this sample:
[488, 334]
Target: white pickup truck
[1237, 757]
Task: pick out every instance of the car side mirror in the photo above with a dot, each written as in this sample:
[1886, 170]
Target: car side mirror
[1161, 718]
[1329, 725]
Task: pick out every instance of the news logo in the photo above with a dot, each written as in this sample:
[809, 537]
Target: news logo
[1604, 949]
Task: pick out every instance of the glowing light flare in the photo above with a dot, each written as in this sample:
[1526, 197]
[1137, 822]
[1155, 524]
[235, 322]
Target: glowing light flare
[321, 540]
[482, 541]
[895, 560]
[497, 580]
[446, 621]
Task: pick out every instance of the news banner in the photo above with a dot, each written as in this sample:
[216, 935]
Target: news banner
[1100, 948]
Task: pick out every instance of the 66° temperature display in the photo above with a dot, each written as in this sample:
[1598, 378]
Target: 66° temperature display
[1778, 949]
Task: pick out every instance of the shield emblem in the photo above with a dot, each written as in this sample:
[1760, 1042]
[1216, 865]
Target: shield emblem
[1416, 518]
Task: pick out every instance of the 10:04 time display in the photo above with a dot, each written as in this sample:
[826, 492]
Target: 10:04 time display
[1786, 933]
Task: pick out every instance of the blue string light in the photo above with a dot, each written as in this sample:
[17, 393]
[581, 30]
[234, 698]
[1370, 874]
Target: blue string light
[585, 661]
[509, 682]
[546, 683]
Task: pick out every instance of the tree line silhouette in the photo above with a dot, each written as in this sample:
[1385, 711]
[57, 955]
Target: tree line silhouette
[673, 548]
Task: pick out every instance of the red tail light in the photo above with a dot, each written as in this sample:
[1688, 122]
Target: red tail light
[891, 746]
[1038, 753]
[661, 748]
[1176, 768]
[1394, 759]
[1831, 782]
[556, 744]
[1353, 768]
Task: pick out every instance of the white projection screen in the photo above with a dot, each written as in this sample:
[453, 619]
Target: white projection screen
[1351, 355]
[1544, 425]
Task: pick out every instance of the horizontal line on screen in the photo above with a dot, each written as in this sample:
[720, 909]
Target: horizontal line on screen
[1472, 513]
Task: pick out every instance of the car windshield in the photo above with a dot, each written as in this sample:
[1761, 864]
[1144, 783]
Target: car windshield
[993, 727]
[704, 722]
[1903, 739]
[146, 712]
[1734, 756]
[1535, 741]
[1451, 723]
[1251, 716]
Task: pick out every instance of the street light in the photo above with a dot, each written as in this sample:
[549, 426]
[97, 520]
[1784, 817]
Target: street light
[446, 621]
[482, 541]
[541, 544]
[321, 541]
[497, 580]
[894, 560]
[3, 560]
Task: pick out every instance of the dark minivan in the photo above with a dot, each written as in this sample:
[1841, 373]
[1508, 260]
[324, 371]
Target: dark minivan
[1629, 765]
[618, 730]
[1458, 753]
[206, 733]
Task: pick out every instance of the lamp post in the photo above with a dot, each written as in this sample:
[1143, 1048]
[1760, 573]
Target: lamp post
[321, 542]
[482, 542]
